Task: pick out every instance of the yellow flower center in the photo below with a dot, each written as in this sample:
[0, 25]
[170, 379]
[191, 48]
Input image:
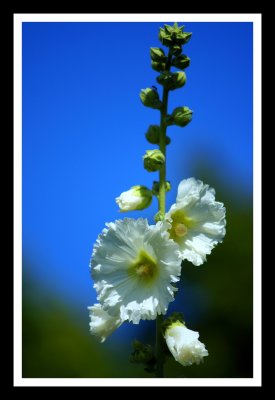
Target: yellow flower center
[144, 270]
[144, 267]
[180, 225]
[180, 229]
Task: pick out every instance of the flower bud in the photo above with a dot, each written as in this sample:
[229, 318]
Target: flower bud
[159, 216]
[150, 98]
[173, 35]
[184, 345]
[157, 54]
[165, 37]
[182, 38]
[143, 353]
[182, 116]
[181, 61]
[172, 80]
[137, 198]
[153, 160]
[176, 50]
[158, 66]
[155, 188]
[152, 134]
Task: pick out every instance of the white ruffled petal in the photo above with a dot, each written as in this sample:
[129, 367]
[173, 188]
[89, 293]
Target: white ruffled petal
[197, 220]
[129, 288]
[102, 324]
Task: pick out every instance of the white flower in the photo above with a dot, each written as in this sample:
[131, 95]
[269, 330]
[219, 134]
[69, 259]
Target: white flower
[102, 324]
[184, 344]
[198, 221]
[133, 265]
[137, 198]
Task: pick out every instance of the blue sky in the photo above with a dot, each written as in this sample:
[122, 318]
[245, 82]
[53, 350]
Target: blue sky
[84, 125]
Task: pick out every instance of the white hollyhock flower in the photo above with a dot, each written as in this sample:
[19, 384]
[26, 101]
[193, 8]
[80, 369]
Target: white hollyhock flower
[102, 324]
[197, 220]
[133, 265]
[184, 344]
[137, 198]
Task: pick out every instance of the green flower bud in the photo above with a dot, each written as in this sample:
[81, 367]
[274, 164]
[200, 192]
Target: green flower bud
[168, 29]
[165, 37]
[186, 36]
[181, 61]
[153, 160]
[176, 50]
[179, 80]
[152, 134]
[167, 186]
[159, 216]
[155, 188]
[158, 66]
[157, 54]
[174, 36]
[142, 353]
[150, 98]
[182, 116]
[169, 120]
[172, 80]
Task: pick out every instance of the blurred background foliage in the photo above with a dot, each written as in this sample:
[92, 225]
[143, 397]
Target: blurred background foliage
[216, 300]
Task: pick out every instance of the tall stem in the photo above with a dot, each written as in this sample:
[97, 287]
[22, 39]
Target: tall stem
[162, 206]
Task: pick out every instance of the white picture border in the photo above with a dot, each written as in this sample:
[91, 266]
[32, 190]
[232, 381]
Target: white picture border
[256, 19]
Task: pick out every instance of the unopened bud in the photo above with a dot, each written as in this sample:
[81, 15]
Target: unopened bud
[137, 198]
[150, 98]
[172, 80]
[152, 134]
[181, 61]
[182, 116]
[153, 160]
[157, 54]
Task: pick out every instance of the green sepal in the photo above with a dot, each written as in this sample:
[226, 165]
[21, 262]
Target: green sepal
[174, 317]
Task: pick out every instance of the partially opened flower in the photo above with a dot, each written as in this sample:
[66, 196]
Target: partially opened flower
[184, 344]
[197, 220]
[133, 266]
[102, 324]
[136, 198]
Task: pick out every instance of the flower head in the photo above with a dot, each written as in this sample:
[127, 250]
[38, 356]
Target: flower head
[133, 265]
[184, 344]
[137, 198]
[102, 324]
[197, 220]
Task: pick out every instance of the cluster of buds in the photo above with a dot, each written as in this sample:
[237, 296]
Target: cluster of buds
[174, 38]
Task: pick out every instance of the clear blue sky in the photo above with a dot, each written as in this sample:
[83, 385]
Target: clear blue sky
[84, 125]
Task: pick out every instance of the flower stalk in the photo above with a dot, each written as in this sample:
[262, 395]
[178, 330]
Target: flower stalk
[135, 265]
[162, 206]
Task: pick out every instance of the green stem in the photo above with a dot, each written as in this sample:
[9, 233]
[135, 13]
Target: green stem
[159, 347]
[162, 206]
